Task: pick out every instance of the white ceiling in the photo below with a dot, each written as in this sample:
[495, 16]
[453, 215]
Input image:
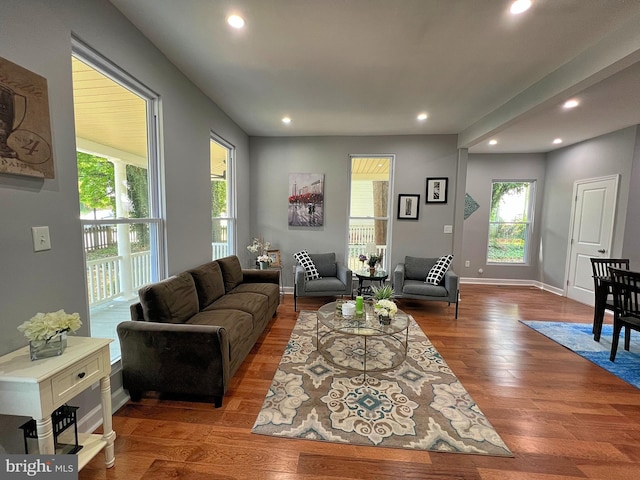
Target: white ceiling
[368, 67]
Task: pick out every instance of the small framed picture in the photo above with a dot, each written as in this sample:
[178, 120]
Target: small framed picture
[437, 190]
[408, 206]
[274, 255]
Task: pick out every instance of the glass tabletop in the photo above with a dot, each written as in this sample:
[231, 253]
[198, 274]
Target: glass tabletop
[365, 273]
[365, 324]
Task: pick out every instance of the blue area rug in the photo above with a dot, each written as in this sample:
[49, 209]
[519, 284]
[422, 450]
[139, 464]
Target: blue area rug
[578, 338]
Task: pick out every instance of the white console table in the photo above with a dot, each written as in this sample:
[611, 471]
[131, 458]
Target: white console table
[37, 388]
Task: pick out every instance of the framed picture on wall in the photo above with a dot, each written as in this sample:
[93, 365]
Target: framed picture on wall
[437, 190]
[408, 206]
[274, 255]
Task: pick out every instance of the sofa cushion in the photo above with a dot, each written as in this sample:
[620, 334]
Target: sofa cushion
[231, 272]
[436, 274]
[209, 283]
[325, 264]
[173, 300]
[238, 326]
[269, 290]
[255, 304]
[330, 284]
[310, 270]
[417, 268]
[419, 287]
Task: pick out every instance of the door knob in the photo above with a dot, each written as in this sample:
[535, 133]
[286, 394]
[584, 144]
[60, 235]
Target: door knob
[602, 250]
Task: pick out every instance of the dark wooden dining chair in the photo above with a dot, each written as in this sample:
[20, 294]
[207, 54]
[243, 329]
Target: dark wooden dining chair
[602, 289]
[626, 299]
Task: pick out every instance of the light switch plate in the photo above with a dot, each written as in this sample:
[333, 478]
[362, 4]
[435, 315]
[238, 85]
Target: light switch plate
[448, 229]
[41, 239]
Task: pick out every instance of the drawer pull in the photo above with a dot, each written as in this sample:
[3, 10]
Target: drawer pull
[81, 375]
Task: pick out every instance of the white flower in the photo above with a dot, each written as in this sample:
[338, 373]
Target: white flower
[265, 259]
[386, 308]
[44, 326]
[259, 246]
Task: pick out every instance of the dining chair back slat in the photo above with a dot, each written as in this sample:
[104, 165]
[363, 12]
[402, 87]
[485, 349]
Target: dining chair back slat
[626, 297]
[602, 289]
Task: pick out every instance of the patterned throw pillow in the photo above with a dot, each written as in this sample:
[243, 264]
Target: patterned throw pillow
[310, 270]
[436, 274]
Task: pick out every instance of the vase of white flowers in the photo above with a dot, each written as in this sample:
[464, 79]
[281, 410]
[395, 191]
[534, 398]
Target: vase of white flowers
[264, 261]
[259, 247]
[386, 310]
[47, 333]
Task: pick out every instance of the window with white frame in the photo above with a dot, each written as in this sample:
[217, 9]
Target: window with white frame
[118, 188]
[222, 198]
[510, 221]
[369, 207]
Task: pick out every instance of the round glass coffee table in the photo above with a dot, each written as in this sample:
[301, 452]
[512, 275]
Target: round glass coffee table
[361, 342]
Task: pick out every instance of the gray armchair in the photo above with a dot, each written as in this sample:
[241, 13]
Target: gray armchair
[335, 279]
[409, 282]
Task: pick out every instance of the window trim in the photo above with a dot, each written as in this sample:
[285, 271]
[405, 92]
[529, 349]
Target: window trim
[529, 224]
[155, 164]
[231, 191]
[389, 217]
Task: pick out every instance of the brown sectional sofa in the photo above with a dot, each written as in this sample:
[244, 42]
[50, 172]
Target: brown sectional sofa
[190, 332]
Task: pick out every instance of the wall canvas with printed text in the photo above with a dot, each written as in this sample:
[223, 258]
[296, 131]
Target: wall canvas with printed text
[25, 126]
[306, 200]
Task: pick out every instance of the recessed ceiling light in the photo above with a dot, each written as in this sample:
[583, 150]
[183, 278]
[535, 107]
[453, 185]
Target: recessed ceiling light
[236, 21]
[557, 141]
[422, 116]
[286, 120]
[520, 6]
[573, 103]
[493, 142]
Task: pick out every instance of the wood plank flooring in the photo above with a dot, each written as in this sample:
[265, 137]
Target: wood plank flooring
[562, 416]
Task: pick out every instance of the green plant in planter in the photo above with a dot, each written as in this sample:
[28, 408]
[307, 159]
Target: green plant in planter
[384, 292]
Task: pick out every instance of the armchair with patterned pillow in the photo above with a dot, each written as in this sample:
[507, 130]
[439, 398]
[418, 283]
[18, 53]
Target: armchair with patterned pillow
[427, 279]
[319, 275]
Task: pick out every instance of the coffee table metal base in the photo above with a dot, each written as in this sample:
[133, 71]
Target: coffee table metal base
[363, 346]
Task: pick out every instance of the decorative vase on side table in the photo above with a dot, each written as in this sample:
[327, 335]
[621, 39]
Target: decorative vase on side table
[52, 347]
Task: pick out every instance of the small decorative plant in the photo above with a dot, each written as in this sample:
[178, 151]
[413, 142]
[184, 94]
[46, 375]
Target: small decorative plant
[362, 258]
[385, 292]
[41, 328]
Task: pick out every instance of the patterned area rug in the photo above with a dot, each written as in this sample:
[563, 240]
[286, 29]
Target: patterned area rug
[578, 338]
[417, 405]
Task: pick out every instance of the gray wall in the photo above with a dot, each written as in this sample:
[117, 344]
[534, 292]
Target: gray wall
[37, 36]
[605, 155]
[630, 247]
[482, 170]
[417, 157]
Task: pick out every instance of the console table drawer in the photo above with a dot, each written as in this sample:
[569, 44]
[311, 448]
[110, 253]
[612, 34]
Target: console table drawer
[76, 378]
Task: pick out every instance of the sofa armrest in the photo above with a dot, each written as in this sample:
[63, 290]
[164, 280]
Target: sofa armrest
[169, 357]
[298, 278]
[136, 311]
[451, 281]
[261, 276]
[345, 275]
[398, 279]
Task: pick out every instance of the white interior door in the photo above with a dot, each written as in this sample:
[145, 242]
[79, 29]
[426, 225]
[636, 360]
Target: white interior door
[591, 234]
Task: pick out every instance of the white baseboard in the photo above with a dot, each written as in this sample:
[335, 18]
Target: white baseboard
[513, 282]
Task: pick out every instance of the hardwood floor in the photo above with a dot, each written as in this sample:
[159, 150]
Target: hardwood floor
[562, 416]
